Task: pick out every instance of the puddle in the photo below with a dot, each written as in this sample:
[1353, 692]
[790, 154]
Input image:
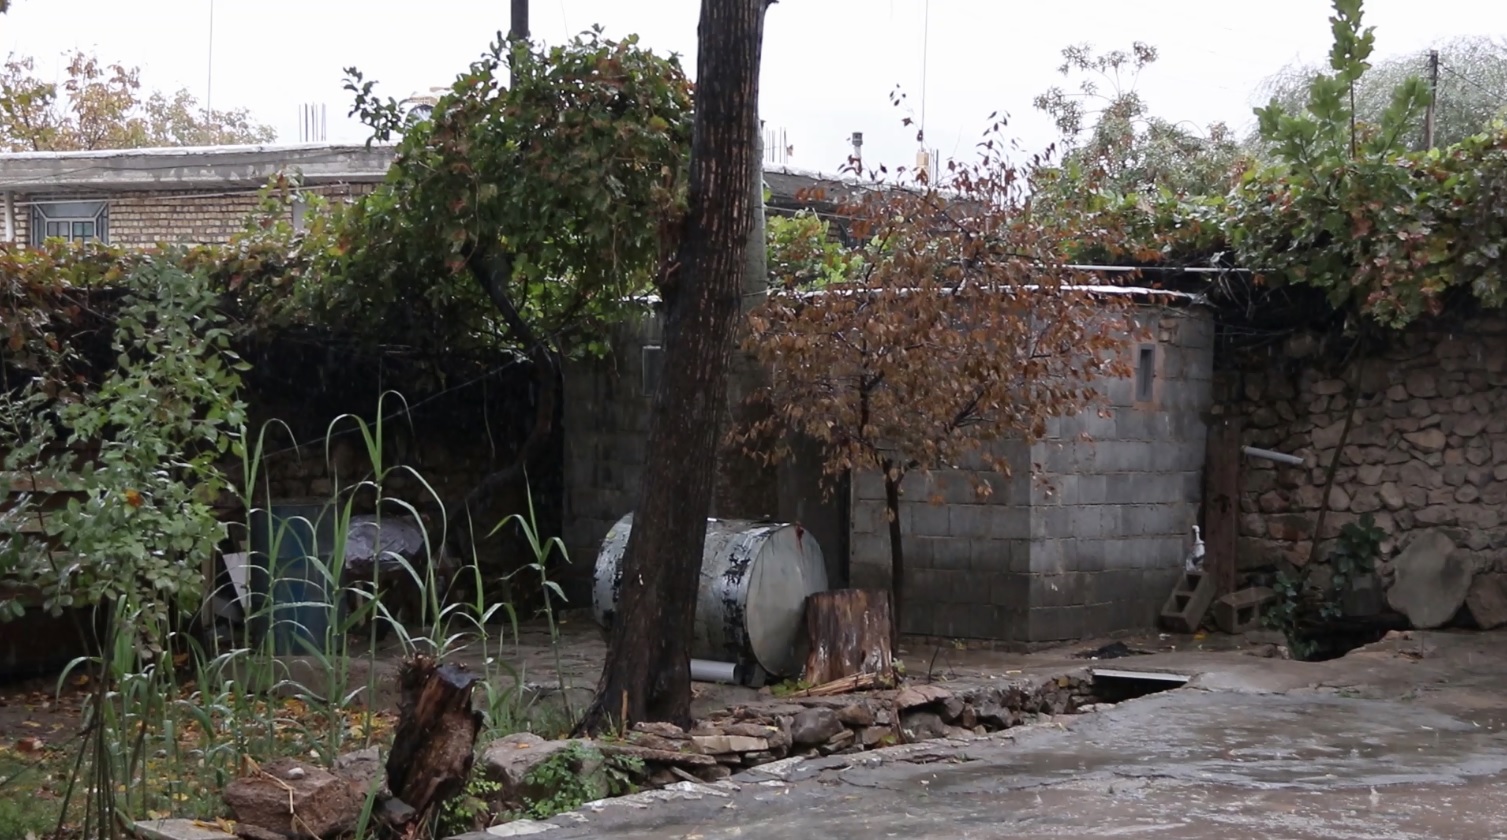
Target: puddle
[1261, 741]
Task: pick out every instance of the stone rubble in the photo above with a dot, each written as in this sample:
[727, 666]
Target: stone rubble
[766, 733]
[1431, 580]
[178, 830]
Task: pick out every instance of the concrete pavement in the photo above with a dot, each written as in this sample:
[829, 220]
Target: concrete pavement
[1402, 740]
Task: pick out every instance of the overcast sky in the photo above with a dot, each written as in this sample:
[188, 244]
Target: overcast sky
[829, 65]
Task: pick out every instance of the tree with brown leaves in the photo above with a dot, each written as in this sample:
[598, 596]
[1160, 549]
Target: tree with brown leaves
[959, 329]
[101, 106]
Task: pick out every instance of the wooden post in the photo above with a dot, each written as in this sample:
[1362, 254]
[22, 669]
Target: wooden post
[849, 633]
[1222, 503]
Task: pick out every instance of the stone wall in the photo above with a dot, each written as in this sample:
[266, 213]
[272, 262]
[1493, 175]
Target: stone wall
[1088, 545]
[139, 219]
[1427, 449]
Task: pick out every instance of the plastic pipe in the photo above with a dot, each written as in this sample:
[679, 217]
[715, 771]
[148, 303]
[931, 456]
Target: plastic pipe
[706, 670]
[1279, 457]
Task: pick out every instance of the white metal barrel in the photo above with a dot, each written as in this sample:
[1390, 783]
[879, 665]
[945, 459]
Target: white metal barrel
[750, 603]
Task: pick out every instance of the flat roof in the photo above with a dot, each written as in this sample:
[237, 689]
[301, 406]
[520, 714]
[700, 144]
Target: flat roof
[191, 167]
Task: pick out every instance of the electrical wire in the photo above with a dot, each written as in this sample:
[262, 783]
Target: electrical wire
[1498, 96]
[406, 410]
[925, 49]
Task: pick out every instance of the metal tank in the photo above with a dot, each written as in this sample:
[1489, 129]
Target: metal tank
[751, 600]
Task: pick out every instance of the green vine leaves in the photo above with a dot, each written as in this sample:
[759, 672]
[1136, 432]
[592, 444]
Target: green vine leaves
[135, 456]
[572, 173]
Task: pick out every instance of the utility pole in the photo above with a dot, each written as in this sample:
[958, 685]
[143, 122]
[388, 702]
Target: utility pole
[1428, 116]
[517, 31]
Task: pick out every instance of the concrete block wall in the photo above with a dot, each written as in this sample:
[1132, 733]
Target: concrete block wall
[1090, 544]
[606, 438]
[967, 557]
[140, 219]
[1116, 497]
[607, 407]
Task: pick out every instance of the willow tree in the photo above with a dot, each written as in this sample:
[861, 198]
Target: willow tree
[647, 675]
[527, 214]
[958, 327]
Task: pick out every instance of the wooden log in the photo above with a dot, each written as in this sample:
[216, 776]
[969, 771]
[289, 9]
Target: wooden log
[846, 685]
[435, 740]
[849, 634]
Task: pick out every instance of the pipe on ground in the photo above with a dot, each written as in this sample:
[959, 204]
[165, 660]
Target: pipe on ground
[706, 670]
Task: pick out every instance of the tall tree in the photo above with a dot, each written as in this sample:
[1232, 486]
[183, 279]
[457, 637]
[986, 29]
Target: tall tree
[1111, 138]
[102, 106]
[528, 214]
[1471, 95]
[647, 675]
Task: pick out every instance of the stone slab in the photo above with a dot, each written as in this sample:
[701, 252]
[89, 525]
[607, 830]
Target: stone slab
[1487, 600]
[1431, 580]
[179, 830]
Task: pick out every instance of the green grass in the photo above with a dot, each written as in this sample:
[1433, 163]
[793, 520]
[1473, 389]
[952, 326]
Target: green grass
[31, 792]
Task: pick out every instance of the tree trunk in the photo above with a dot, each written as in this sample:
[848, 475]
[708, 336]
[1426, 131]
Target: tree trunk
[745, 485]
[897, 553]
[435, 740]
[849, 633]
[493, 269]
[647, 676]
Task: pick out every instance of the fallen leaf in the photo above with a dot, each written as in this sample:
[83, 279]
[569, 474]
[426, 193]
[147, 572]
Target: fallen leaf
[30, 745]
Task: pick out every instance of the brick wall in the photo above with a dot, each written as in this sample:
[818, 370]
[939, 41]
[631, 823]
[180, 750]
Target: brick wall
[1427, 450]
[140, 219]
[1091, 544]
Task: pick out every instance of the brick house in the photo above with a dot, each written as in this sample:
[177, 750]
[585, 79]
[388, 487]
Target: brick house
[188, 195]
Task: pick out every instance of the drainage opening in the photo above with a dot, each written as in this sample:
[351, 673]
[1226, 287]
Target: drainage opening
[1115, 685]
[1322, 641]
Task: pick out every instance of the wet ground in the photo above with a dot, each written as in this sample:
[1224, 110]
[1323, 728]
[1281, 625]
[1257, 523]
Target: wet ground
[1407, 739]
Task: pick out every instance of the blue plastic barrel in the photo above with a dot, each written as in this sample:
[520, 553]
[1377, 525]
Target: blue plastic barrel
[292, 595]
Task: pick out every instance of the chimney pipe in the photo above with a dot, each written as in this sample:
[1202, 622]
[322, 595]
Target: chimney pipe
[857, 146]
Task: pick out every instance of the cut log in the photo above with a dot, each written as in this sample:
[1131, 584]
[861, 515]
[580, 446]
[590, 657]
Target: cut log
[849, 634]
[435, 740]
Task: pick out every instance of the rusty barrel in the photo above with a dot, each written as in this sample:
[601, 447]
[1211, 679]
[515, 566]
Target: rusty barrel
[750, 602]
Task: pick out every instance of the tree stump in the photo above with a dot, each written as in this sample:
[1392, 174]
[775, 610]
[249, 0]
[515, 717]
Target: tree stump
[435, 740]
[849, 633]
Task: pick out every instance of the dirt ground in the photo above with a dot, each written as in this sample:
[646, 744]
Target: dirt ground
[32, 708]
